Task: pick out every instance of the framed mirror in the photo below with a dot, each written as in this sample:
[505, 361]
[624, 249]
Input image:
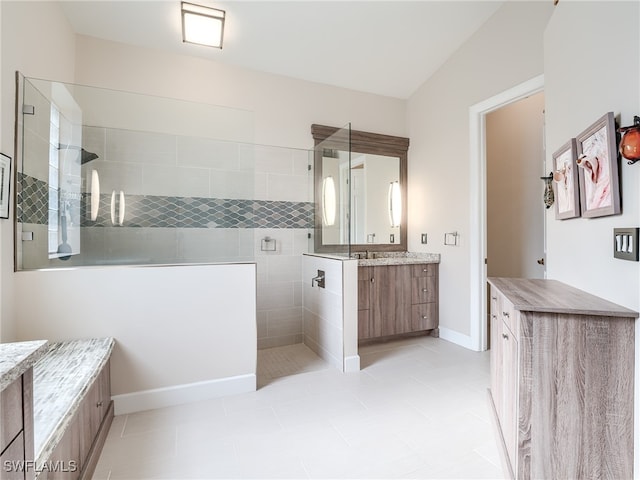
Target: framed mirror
[360, 190]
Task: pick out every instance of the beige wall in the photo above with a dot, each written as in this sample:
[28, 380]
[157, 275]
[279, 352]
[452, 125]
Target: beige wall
[585, 77]
[515, 161]
[505, 52]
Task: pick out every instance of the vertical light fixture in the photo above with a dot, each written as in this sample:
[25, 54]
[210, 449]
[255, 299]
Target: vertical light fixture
[113, 207]
[121, 208]
[328, 201]
[202, 25]
[395, 204]
[95, 194]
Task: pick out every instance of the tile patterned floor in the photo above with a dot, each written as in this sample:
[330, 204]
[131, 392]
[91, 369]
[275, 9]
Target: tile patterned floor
[418, 409]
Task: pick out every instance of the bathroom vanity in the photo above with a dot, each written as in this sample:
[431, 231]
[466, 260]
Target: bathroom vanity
[397, 295]
[562, 380]
[16, 405]
[55, 408]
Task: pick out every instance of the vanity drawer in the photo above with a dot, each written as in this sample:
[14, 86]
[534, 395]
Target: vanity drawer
[11, 412]
[364, 273]
[423, 289]
[423, 270]
[423, 317]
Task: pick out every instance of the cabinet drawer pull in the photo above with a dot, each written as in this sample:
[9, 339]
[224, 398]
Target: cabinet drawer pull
[494, 298]
[424, 317]
[424, 289]
[505, 336]
[373, 280]
[494, 316]
[506, 314]
[99, 404]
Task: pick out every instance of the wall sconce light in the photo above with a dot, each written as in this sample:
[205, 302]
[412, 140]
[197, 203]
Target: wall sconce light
[202, 25]
[95, 194]
[395, 204]
[630, 142]
[328, 201]
[121, 208]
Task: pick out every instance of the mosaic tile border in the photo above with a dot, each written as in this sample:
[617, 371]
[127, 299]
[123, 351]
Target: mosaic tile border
[151, 211]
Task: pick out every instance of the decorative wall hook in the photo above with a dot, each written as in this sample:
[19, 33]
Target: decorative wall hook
[630, 142]
[548, 190]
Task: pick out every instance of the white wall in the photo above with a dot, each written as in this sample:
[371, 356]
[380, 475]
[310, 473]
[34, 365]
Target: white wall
[515, 161]
[50, 53]
[331, 313]
[585, 77]
[173, 325]
[284, 108]
[505, 52]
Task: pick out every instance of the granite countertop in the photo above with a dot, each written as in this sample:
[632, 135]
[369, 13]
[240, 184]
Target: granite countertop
[61, 380]
[552, 296]
[17, 357]
[399, 258]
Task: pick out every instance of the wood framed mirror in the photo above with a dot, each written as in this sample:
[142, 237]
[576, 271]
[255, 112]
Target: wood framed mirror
[354, 173]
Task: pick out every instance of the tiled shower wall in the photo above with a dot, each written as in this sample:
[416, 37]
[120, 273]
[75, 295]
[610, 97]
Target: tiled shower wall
[190, 200]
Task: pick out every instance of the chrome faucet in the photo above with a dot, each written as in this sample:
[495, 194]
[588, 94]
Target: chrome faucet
[318, 280]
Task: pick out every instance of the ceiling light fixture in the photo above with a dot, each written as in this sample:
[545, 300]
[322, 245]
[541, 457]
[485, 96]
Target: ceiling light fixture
[202, 25]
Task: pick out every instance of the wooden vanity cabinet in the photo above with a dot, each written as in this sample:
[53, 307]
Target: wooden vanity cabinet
[16, 433]
[397, 299]
[562, 374]
[504, 360]
[84, 437]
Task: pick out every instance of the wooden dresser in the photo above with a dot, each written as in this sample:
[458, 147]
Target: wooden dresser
[562, 380]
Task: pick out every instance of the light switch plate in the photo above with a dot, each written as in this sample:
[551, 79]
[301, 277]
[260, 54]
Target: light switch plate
[625, 243]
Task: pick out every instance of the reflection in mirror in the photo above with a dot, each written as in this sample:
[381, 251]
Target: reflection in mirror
[368, 172]
[371, 179]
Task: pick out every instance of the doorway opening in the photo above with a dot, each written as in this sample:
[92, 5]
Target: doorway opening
[478, 195]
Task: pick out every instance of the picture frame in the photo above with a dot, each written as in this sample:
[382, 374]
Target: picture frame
[565, 181]
[5, 185]
[597, 160]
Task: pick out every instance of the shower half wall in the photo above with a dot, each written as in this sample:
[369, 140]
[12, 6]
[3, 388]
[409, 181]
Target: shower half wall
[115, 178]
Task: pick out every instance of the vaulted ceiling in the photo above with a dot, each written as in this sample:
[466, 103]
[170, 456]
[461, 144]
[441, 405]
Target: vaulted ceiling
[383, 47]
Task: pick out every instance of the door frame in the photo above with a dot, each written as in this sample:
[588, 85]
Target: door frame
[478, 206]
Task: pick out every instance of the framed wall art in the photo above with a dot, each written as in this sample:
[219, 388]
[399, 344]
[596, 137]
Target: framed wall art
[565, 181]
[5, 185]
[597, 160]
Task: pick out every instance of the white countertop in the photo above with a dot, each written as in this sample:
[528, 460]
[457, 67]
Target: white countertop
[18, 357]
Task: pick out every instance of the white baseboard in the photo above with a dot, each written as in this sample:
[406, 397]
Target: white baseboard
[456, 337]
[186, 393]
[352, 364]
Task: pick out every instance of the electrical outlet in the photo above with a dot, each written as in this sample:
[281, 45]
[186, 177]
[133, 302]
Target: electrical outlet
[423, 238]
[392, 238]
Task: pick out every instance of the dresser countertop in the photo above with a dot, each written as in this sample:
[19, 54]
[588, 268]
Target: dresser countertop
[17, 357]
[401, 258]
[60, 382]
[552, 296]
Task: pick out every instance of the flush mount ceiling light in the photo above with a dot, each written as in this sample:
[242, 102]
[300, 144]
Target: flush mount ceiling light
[202, 25]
